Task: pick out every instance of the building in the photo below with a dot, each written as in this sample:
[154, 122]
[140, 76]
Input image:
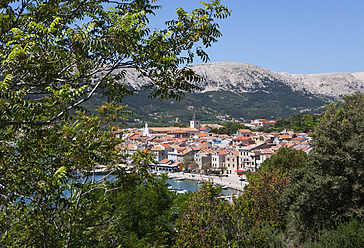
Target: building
[231, 162]
[249, 156]
[218, 159]
[194, 123]
[203, 158]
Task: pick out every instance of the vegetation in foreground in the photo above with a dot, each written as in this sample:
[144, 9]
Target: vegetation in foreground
[48, 197]
[294, 199]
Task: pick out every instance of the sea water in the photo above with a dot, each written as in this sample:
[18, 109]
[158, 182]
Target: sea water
[194, 185]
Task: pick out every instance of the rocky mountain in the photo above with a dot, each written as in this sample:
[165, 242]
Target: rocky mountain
[241, 77]
[239, 91]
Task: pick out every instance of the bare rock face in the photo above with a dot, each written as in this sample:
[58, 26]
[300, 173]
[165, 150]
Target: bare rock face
[240, 77]
[330, 84]
[234, 76]
[244, 77]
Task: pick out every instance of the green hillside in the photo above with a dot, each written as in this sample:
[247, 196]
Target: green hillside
[277, 101]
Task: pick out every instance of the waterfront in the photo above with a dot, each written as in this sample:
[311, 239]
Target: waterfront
[193, 186]
[186, 184]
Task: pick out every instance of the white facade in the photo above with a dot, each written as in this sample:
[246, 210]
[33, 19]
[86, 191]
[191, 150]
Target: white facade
[195, 123]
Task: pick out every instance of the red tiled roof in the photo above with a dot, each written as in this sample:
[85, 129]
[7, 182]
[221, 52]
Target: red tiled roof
[134, 136]
[244, 131]
[165, 161]
[157, 148]
[202, 134]
[285, 136]
[166, 145]
[221, 152]
[241, 138]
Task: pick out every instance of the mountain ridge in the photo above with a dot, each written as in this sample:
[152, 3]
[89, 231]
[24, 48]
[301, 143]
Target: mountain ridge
[242, 77]
[240, 91]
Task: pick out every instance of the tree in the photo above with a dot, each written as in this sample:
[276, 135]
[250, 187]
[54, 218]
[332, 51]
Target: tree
[264, 193]
[348, 234]
[207, 166]
[251, 219]
[51, 64]
[330, 189]
[188, 162]
[302, 122]
[203, 222]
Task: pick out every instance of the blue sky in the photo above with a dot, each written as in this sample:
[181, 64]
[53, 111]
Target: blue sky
[294, 36]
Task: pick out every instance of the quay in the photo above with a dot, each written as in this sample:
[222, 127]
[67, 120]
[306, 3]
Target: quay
[232, 181]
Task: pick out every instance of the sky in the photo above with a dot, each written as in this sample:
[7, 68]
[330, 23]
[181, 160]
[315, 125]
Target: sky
[294, 36]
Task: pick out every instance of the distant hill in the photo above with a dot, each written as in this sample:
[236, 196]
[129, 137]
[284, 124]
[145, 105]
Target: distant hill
[240, 77]
[243, 91]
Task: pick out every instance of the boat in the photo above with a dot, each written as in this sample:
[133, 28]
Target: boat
[181, 192]
[100, 171]
[179, 179]
[224, 187]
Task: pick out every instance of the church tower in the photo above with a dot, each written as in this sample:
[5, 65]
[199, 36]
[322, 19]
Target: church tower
[195, 123]
[146, 131]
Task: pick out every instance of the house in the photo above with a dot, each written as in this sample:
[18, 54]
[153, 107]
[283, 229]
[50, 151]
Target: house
[243, 133]
[231, 162]
[166, 165]
[203, 157]
[178, 133]
[205, 129]
[179, 153]
[261, 123]
[262, 138]
[249, 156]
[206, 136]
[242, 140]
[282, 138]
[217, 126]
[218, 158]
[288, 131]
[161, 151]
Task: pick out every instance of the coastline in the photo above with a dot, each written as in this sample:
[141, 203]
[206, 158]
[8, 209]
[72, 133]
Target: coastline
[232, 181]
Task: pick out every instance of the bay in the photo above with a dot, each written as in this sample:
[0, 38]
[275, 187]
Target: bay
[193, 186]
[190, 185]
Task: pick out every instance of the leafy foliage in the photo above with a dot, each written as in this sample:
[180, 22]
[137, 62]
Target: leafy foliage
[302, 122]
[249, 221]
[51, 65]
[265, 190]
[293, 199]
[331, 188]
[203, 222]
[42, 187]
[49, 146]
[344, 235]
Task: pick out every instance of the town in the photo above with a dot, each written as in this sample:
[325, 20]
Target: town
[196, 149]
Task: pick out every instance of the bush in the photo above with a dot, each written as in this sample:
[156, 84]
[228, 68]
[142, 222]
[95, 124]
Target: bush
[350, 234]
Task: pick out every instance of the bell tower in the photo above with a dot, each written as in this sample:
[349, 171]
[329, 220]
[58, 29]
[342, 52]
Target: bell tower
[195, 123]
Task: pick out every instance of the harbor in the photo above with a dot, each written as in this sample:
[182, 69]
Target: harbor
[182, 186]
[231, 182]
